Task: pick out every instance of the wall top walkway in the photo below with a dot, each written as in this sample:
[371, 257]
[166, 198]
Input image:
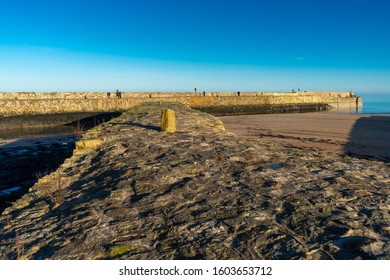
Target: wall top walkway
[100, 95]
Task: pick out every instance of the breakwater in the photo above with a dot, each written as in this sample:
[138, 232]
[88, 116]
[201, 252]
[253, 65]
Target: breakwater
[131, 191]
[34, 103]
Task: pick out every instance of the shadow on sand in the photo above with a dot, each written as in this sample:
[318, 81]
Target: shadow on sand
[370, 138]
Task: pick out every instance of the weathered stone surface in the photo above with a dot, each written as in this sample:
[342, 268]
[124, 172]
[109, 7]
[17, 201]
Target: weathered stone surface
[88, 144]
[201, 193]
[168, 121]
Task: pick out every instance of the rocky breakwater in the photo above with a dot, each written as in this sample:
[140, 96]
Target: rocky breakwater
[131, 191]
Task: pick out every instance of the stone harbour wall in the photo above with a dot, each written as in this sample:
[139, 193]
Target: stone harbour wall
[32, 103]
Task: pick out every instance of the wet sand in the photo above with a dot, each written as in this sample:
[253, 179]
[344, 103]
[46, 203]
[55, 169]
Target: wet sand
[362, 135]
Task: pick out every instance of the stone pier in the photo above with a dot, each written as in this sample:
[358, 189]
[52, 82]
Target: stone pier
[38, 103]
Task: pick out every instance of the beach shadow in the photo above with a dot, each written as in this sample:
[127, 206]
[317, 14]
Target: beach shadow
[369, 138]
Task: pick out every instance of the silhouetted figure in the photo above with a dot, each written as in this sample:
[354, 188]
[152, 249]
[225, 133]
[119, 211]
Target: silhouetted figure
[118, 94]
[204, 93]
[195, 89]
[108, 94]
[238, 93]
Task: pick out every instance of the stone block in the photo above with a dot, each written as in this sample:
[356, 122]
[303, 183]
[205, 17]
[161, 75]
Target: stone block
[168, 120]
[88, 144]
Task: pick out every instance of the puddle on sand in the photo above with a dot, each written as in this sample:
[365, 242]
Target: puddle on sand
[275, 166]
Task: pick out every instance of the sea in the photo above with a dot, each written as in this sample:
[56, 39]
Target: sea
[374, 103]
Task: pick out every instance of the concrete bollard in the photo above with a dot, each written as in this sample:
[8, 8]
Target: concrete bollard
[168, 120]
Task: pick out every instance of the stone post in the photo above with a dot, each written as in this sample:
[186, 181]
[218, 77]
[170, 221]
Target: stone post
[168, 120]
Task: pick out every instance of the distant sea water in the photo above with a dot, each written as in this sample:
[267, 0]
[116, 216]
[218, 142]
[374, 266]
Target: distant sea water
[375, 103]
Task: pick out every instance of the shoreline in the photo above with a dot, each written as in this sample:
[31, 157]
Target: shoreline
[301, 130]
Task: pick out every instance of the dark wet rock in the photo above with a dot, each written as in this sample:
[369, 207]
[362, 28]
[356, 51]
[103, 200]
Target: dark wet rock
[199, 193]
[21, 166]
[221, 110]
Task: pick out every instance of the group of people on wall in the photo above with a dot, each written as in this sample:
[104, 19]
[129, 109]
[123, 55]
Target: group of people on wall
[117, 93]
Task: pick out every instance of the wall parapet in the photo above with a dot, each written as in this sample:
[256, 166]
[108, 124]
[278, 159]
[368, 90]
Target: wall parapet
[31, 103]
[103, 95]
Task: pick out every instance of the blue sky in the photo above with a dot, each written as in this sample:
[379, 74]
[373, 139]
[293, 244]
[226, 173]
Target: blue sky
[214, 45]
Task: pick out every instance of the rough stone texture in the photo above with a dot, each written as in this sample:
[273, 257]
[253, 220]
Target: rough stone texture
[13, 104]
[200, 193]
[88, 144]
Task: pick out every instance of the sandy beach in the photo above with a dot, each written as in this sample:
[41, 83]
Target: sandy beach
[363, 135]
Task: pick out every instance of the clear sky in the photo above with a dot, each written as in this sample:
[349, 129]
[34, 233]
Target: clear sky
[177, 45]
